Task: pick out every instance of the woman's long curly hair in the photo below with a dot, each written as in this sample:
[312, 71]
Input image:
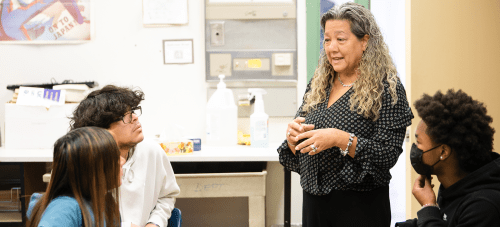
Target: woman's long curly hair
[376, 65]
[455, 119]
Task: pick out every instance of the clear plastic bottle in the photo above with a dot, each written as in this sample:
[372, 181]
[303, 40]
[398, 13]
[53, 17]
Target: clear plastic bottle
[259, 120]
[222, 117]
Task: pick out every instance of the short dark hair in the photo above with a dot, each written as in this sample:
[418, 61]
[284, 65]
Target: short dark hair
[455, 119]
[102, 107]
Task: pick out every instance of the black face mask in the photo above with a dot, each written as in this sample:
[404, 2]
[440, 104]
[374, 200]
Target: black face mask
[418, 164]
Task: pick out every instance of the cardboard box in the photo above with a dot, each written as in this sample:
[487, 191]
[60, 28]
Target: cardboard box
[35, 127]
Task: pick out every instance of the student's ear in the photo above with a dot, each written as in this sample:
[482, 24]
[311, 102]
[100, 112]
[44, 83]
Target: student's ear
[445, 152]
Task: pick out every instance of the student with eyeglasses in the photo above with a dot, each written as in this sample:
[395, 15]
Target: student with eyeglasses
[149, 188]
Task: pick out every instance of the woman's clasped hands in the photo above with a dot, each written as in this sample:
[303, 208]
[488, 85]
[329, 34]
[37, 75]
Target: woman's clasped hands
[304, 138]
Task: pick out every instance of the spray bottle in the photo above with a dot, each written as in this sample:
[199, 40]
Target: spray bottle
[259, 120]
[222, 117]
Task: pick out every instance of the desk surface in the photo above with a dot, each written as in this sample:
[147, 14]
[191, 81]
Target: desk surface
[235, 153]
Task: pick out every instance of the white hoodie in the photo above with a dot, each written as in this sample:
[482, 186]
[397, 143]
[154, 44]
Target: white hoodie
[149, 188]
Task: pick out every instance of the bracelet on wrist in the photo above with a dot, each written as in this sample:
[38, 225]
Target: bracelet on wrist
[346, 151]
[430, 205]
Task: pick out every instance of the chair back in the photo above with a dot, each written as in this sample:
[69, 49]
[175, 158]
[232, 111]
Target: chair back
[176, 218]
[35, 197]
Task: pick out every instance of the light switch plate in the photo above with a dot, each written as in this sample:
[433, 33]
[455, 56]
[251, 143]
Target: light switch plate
[217, 33]
[283, 59]
[282, 64]
[220, 64]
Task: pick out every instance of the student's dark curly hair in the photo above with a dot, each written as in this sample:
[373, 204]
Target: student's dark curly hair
[455, 119]
[102, 107]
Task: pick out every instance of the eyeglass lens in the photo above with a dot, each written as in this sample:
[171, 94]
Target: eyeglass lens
[128, 118]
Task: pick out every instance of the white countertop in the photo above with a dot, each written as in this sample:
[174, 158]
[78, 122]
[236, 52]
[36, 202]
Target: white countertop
[236, 153]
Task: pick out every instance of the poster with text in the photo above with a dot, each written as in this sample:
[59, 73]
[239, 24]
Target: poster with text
[45, 21]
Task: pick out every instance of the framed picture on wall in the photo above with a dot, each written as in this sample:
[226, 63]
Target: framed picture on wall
[45, 22]
[178, 51]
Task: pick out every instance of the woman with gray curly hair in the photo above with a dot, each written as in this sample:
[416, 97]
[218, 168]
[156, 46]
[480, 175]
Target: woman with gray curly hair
[348, 132]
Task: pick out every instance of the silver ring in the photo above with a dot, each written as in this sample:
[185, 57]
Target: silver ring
[314, 148]
[288, 133]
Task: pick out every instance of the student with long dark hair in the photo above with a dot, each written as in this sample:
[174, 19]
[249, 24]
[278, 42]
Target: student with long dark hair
[83, 189]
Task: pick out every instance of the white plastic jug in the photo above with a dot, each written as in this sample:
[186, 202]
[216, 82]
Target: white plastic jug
[222, 117]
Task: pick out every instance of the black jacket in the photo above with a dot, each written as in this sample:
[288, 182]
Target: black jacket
[472, 201]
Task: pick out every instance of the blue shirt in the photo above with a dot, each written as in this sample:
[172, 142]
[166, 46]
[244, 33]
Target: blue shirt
[61, 211]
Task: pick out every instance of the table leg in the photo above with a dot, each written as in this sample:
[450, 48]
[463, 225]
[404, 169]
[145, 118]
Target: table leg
[288, 197]
[257, 211]
[33, 181]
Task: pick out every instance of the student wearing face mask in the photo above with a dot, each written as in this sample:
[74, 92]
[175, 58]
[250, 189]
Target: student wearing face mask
[454, 142]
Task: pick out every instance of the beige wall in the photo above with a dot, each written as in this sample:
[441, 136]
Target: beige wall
[454, 44]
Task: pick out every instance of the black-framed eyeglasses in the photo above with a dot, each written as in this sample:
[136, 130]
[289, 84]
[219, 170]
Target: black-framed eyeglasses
[127, 119]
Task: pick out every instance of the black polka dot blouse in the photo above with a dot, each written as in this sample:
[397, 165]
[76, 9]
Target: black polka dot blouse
[378, 148]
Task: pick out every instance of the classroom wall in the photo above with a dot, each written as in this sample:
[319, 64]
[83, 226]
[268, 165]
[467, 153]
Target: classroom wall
[454, 44]
[122, 53]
